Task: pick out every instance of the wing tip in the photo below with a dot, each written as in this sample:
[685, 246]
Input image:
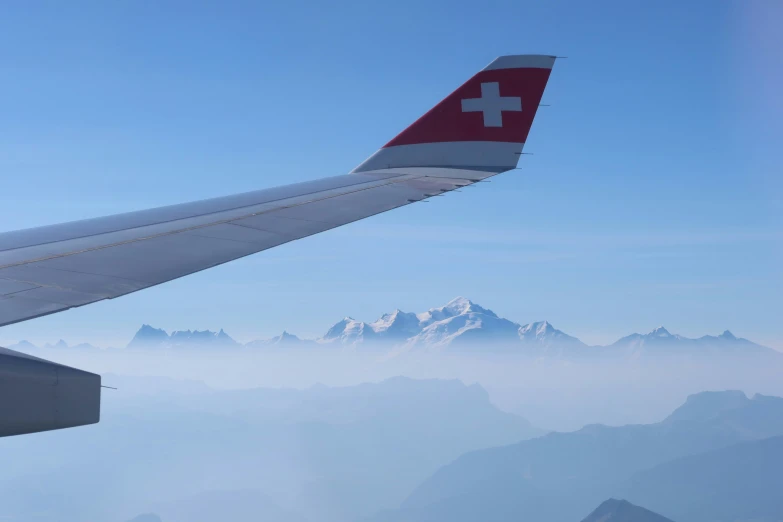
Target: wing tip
[522, 61]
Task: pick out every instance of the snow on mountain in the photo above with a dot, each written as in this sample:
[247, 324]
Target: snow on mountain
[659, 339]
[338, 330]
[458, 326]
[392, 328]
[541, 332]
[728, 343]
[455, 307]
[349, 332]
[661, 342]
[462, 325]
[397, 325]
[661, 333]
[542, 338]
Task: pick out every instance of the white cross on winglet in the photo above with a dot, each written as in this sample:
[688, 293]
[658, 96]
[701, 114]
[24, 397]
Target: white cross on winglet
[492, 104]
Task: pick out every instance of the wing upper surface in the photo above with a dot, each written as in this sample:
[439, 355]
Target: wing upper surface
[49, 269]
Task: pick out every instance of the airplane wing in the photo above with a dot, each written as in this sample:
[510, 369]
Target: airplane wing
[476, 132]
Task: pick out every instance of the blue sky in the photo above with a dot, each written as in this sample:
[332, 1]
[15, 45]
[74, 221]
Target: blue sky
[653, 197]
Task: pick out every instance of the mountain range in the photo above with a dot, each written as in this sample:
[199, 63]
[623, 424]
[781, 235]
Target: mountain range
[189, 453]
[401, 450]
[715, 458]
[457, 327]
[738, 482]
[154, 338]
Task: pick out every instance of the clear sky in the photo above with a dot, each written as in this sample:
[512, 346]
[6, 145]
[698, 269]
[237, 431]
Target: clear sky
[654, 195]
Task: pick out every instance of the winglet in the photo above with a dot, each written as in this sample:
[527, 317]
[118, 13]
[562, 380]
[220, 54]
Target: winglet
[483, 125]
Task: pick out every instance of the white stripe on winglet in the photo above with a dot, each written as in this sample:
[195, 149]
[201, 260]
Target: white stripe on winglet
[495, 156]
[522, 61]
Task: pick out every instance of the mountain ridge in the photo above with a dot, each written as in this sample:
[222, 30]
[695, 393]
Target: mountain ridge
[736, 482]
[614, 510]
[561, 475]
[458, 326]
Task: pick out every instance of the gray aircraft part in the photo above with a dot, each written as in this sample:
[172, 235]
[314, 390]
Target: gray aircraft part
[39, 395]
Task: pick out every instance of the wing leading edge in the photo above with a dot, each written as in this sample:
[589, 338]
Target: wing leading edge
[476, 132]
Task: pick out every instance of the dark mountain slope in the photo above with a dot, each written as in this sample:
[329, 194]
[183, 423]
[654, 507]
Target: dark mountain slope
[614, 510]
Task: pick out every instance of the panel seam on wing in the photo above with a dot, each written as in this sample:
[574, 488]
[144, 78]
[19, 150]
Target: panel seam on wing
[197, 227]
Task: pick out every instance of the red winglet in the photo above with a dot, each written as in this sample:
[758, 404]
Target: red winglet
[481, 125]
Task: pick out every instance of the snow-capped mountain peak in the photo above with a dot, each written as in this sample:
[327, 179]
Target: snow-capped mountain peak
[458, 326]
[397, 324]
[461, 326]
[543, 335]
[455, 307]
[387, 320]
[660, 332]
[437, 326]
[459, 305]
[538, 329]
[661, 341]
[465, 323]
[338, 329]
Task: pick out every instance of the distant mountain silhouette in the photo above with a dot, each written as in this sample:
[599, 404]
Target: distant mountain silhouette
[330, 453]
[614, 510]
[661, 342]
[28, 347]
[281, 342]
[23, 346]
[149, 338]
[702, 407]
[555, 476]
[739, 482]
